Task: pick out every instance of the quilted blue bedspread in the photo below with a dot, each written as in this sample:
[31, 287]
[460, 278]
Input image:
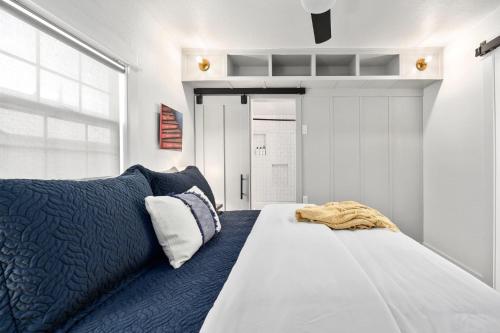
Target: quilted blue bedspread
[161, 299]
[64, 244]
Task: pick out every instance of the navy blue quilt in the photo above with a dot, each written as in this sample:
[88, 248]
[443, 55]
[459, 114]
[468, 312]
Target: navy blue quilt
[63, 244]
[162, 299]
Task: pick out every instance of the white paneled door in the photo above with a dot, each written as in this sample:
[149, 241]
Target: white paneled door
[213, 143]
[223, 149]
[237, 152]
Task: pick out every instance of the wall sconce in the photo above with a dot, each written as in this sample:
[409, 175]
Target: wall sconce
[203, 64]
[422, 63]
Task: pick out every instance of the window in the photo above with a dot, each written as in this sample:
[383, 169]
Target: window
[59, 108]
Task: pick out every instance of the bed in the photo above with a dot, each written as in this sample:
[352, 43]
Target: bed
[265, 272]
[300, 277]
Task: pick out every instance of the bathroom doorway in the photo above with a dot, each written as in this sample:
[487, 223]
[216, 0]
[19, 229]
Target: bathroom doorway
[273, 151]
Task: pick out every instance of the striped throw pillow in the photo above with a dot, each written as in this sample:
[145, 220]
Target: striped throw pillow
[183, 223]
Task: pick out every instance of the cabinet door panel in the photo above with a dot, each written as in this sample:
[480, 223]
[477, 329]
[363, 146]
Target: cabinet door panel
[316, 147]
[375, 153]
[346, 170]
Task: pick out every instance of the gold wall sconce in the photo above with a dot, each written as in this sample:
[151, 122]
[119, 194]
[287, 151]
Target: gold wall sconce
[203, 64]
[422, 63]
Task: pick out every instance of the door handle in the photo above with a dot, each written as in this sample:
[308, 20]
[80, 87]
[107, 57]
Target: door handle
[242, 194]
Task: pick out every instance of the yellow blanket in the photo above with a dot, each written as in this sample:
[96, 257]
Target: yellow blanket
[344, 215]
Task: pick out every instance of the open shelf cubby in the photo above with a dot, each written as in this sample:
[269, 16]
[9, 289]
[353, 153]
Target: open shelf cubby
[247, 65]
[335, 65]
[378, 64]
[291, 64]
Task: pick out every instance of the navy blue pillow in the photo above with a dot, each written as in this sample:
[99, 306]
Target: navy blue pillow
[64, 243]
[175, 182]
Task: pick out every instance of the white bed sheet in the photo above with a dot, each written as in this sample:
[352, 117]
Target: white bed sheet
[299, 277]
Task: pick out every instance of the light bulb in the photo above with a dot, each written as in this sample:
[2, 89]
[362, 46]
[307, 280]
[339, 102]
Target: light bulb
[203, 63]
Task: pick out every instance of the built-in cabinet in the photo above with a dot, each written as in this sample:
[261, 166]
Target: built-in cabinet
[360, 123]
[365, 148]
[313, 68]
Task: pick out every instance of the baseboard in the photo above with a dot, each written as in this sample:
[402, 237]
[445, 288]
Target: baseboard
[455, 261]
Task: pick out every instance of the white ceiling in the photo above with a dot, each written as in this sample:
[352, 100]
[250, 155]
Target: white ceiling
[284, 24]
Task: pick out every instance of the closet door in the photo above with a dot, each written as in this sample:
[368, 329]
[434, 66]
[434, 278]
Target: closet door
[237, 152]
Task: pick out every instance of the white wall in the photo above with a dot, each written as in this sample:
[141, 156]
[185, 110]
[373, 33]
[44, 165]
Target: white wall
[366, 145]
[129, 32]
[458, 154]
[497, 170]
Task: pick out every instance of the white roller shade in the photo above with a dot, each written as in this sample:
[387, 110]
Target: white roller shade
[59, 107]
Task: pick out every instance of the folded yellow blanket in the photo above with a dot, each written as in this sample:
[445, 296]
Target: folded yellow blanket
[344, 215]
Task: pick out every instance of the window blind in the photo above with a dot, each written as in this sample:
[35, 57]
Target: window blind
[60, 108]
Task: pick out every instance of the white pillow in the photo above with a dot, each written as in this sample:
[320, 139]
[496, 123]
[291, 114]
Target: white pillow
[182, 223]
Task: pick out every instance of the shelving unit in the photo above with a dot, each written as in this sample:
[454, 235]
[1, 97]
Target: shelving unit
[336, 65]
[247, 65]
[313, 68]
[378, 64]
[291, 65]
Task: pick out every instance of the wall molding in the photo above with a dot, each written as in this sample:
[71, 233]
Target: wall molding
[454, 261]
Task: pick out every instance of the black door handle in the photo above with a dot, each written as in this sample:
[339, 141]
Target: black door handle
[241, 187]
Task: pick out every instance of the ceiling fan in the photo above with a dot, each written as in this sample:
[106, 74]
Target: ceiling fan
[320, 11]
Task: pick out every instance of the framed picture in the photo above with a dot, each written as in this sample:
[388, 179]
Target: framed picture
[170, 128]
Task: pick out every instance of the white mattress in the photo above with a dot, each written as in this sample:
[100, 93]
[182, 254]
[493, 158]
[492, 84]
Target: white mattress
[299, 277]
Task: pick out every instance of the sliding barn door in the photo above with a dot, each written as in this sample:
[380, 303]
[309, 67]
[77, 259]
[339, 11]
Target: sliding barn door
[223, 149]
[237, 150]
[211, 138]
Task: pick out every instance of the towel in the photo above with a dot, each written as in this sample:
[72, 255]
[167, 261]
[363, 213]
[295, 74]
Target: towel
[344, 215]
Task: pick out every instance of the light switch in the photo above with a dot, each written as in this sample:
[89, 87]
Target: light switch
[305, 199]
[304, 129]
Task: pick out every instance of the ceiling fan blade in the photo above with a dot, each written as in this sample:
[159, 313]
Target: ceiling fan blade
[322, 26]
